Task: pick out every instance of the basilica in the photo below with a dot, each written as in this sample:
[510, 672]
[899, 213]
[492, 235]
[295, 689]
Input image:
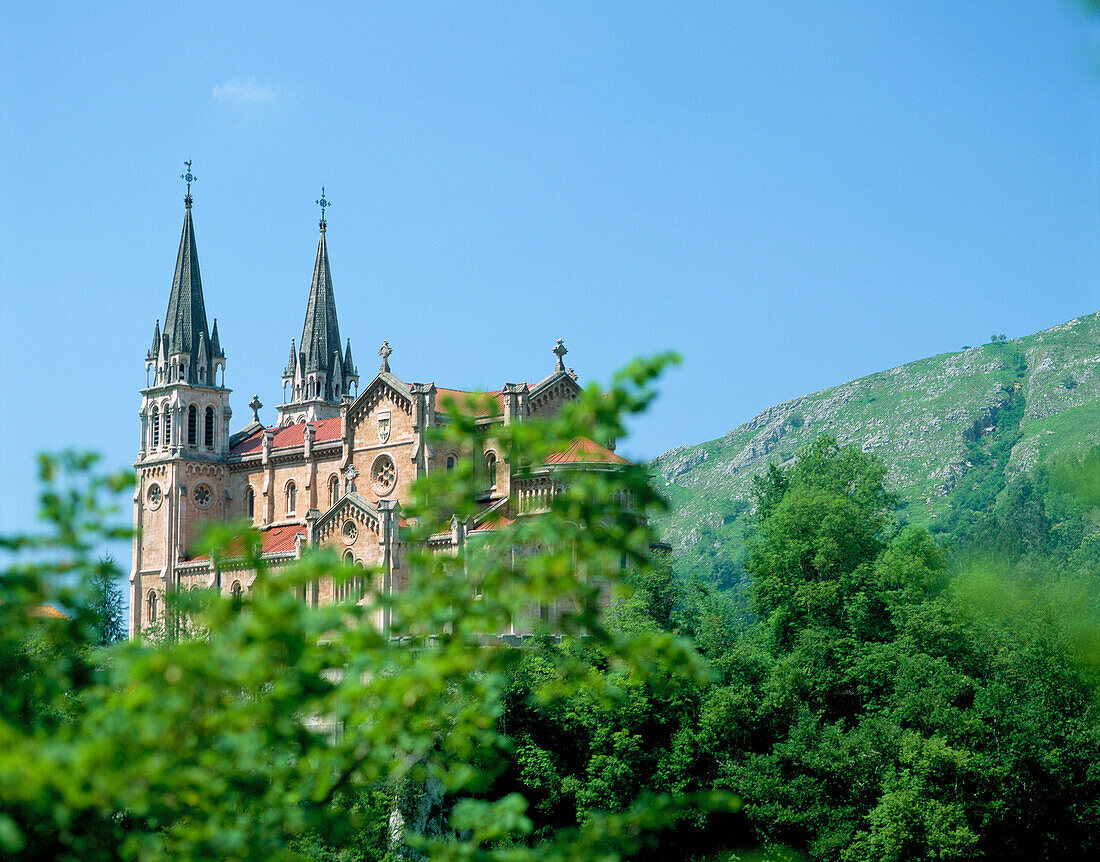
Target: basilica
[332, 470]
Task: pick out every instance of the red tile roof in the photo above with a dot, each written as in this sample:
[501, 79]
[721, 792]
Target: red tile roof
[581, 450]
[292, 435]
[46, 611]
[280, 540]
[492, 524]
[273, 540]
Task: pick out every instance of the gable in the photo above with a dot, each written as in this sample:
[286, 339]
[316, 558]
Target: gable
[350, 506]
[384, 387]
[547, 394]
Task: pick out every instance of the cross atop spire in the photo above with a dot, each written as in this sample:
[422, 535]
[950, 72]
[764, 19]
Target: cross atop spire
[384, 351]
[190, 178]
[559, 351]
[322, 203]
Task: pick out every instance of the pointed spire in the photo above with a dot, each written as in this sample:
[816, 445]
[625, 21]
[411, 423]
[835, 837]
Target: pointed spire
[349, 366]
[291, 362]
[215, 342]
[315, 367]
[321, 332]
[152, 354]
[185, 321]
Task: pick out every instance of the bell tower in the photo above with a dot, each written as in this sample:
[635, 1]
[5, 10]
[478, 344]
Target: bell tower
[317, 376]
[182, 466]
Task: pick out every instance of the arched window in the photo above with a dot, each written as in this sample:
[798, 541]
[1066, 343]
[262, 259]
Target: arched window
[491, 469]
[156, 427]
[192, 425]
[291, 497]
[167, 425]
[345, 587]
[236, 591]
[209, 428]
[250, 502]
[333, 490]
[152, 606]
[450, 462]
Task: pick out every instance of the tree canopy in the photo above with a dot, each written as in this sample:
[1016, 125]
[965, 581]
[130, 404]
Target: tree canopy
[875, 699]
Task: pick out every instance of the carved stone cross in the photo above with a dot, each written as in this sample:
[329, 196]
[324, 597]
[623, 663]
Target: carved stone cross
[255, 404]
[350, 474]
[384, 351]
[559, 351]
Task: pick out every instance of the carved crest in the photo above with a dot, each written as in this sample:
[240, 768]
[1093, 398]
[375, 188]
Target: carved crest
[384, 426]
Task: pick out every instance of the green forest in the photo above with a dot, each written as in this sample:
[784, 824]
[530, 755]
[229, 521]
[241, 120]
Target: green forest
[871, 690]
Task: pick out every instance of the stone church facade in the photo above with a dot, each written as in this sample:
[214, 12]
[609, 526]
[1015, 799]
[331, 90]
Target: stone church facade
[332, 470]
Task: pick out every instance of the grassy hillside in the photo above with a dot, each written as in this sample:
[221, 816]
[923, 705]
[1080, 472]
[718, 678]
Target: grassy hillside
[951, 428]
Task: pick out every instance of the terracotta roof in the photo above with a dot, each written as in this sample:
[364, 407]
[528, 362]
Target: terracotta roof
[492, 524]
[461, 397]
[280, 540]
[291, 435]
[581, 450]
[46, 611]
[273, 540]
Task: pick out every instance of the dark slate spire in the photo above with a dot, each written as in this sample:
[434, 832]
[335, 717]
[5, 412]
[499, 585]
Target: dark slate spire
[291, 363]
[317, 377]
[349, 366]
[321, 332]
[151, 356]
[185, 321]
[215, 342]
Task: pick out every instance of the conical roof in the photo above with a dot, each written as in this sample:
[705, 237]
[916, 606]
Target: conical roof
[185, 320]
[349, 366]
[321, 332]
[152, 354]
[215, 342]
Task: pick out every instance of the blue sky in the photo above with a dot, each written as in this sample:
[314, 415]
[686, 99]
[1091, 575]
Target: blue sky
[790, 194]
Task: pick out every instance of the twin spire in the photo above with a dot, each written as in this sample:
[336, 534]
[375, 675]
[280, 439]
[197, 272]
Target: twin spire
[318, 373]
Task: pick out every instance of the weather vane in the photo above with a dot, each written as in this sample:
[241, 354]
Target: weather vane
[322, 203]
[188, 178]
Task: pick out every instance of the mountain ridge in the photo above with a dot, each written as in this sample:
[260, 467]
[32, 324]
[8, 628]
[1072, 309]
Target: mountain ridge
[944, 425]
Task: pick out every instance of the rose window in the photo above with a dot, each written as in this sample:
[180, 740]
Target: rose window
[202, 496]
[383, 474]
[350, 531]
[154, 496]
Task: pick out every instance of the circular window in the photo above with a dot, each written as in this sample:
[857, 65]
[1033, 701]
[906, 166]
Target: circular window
[153, 495]
[349, 531]
[383, 475]
[202, 496]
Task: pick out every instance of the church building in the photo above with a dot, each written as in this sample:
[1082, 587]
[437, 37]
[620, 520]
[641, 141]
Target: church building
[332, 470]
